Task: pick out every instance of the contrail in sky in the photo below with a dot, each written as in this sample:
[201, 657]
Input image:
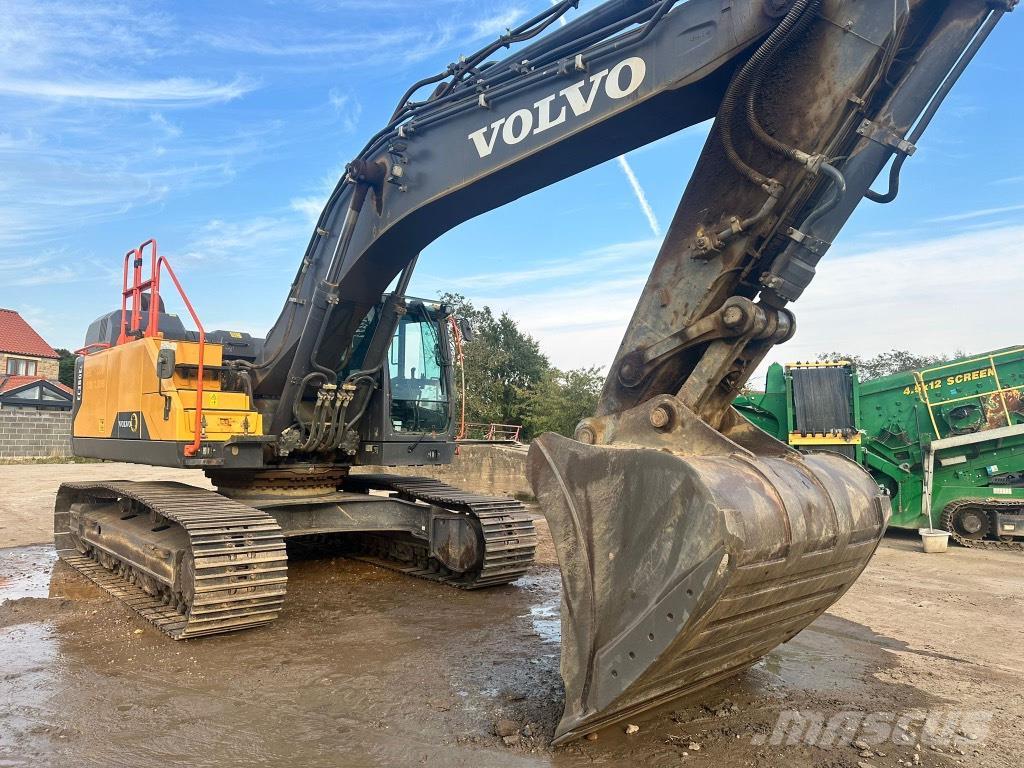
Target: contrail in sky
[634, 182]
[641, 198]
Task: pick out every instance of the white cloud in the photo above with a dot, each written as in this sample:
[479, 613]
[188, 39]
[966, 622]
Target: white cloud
[251, 240]
[334, 50]
[310, 207]
[37, 35]
[46, 268]
[421, 32]
[577, 318]
[497, 23]
[347, 108]
[609, 260]
[932, 296]
[111, 166]
[171, 131]
[173, 90]
[75, 147]
[980, 213]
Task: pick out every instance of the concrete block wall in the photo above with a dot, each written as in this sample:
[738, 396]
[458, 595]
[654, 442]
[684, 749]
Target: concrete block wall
[31, 434]
[487, 469]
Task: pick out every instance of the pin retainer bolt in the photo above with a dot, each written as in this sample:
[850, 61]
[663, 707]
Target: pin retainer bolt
[661, 417]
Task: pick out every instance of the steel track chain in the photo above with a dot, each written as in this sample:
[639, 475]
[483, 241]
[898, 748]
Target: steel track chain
[509, 537]
[239, 561]
[954, 506]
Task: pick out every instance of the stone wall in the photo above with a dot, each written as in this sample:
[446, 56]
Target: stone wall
[488, 469]
[27, 433]
[46, 367]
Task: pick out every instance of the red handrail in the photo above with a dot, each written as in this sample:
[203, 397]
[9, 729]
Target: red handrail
[190, 450]
[126, 291]
[496, 432]
[88, 349]
[135, 291]
[153, 320]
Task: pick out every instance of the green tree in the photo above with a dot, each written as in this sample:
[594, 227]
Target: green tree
[502, 364]
[888, 363]
[66, 370]
[562, 400]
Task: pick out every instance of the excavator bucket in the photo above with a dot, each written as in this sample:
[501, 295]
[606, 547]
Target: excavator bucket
[687, 559]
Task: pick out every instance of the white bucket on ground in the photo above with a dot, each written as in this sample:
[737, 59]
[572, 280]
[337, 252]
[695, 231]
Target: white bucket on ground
[933, 539]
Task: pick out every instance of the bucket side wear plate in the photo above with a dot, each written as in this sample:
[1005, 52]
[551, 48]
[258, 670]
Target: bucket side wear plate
[680, 571]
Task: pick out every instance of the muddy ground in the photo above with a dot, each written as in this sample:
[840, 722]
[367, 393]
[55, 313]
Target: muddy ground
[368, 667]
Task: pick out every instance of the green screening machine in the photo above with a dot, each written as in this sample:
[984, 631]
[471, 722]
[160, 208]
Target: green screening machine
[946, 443]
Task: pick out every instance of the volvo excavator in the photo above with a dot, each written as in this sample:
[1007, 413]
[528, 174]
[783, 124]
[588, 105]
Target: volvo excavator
[690, 542]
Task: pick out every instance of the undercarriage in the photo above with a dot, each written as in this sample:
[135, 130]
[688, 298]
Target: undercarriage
[985, 523]
[196, 562]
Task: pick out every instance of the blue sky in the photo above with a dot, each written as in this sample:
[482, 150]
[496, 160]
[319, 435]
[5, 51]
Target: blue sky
[219, 128]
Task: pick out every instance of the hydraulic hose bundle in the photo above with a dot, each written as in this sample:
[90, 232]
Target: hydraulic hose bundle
[748, 81]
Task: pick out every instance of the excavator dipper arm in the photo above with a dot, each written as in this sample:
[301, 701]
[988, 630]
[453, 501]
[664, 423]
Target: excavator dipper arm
[690, 542]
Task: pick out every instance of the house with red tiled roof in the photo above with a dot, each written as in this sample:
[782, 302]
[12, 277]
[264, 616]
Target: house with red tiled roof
[28, 367]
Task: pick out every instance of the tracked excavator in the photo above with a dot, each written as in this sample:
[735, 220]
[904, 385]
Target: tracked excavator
[690, 542]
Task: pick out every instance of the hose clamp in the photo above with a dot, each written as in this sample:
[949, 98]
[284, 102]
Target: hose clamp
[881, 134]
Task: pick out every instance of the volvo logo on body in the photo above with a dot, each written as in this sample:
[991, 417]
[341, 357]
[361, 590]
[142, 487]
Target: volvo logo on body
[131, 423]
[617, 82]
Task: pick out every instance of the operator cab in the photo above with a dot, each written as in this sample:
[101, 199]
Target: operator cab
[409, 415]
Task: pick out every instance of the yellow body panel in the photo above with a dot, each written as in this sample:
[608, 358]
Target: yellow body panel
[122, 397]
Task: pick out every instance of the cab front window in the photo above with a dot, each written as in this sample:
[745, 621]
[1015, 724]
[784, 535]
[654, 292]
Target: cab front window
[419, 400]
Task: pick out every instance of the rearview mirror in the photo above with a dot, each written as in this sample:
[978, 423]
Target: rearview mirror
[165, 364]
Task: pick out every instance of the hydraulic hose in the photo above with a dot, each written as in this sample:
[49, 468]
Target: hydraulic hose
[797, 29]
[362, 409]
[337, 418]
[894, 183]
[933, 105]
[767, 207]
[306, 380]
[315, 424]
[366, 175]
[838, 190]
[739, 86]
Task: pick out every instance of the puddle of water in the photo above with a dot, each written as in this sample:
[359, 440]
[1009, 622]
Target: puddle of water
[25, 572]
[799, 664]
[545, 615]
[26, 682]
[547, 621]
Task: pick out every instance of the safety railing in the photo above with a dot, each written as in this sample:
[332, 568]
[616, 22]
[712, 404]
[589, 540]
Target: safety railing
[88, 349]
[493, 433]
[133, 293]
[925, 381]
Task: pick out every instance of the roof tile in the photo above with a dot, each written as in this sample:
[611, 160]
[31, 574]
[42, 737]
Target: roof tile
[18, 338]
[10, 382]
